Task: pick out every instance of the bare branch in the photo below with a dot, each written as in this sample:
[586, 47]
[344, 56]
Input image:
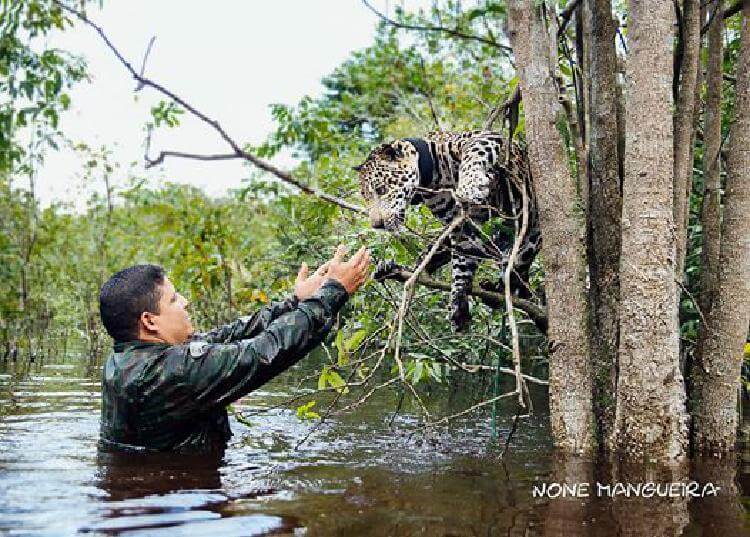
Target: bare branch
[441, 29]
[473, 368]
[537, 313]
[520, 234]
[236, 149]
[193, 156]
[505, 107]
[728, 12]
[410, 284]
[472, 408]
[139, 87]
[566, 15]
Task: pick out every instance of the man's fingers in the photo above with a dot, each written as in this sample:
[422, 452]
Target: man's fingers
[322, 269]
[356, 259]
[362, 259]
[340, 253]
[302, 273]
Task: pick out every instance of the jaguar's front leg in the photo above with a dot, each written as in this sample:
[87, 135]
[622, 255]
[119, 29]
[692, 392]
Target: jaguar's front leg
[463, 268]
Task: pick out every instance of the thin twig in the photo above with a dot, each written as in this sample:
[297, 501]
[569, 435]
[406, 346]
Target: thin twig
[441, 29]
[566, 15]
[510, 435]
[139, 87]
[472, 408]
[409, 289]
[512, 100]
[494, 300]
[520, 234]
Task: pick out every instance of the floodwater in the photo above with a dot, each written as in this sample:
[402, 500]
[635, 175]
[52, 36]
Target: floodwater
[364, 473]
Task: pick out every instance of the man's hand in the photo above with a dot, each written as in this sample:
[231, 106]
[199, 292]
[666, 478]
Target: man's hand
[351, 274]
[305, 286]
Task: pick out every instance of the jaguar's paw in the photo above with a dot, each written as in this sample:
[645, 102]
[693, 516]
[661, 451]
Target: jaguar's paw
[460, 316]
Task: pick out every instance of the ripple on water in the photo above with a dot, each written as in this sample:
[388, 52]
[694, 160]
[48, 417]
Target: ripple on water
[368, 473]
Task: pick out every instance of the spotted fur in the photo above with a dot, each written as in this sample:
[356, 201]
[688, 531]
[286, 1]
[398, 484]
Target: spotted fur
[473, 171]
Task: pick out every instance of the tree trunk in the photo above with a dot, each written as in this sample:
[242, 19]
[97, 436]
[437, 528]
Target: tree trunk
[605, 207]
[684, 126]
[650, 414]
[711, 209]
[718, 373]
[563, 230]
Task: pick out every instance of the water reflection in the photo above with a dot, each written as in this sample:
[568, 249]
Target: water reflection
[124, 475]
[722, 514]
[660, 499]
[357, 475]
[160, 493]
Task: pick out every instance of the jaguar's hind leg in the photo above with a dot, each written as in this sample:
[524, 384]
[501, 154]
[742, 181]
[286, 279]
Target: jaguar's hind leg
[462, 271]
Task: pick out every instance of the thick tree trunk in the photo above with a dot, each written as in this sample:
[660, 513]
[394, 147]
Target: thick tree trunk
[711, 209]
[563, 229]
[718, 372]
[684, 126]
[605, 206]
[650, 416]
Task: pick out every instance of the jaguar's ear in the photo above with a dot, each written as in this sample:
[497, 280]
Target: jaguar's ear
[357, 168]
[393, 151]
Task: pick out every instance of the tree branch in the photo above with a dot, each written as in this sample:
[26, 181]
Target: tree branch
[494, 300]
[512, 101]
[236, 149]
[565, 16]
[442, 29]
[728, 12]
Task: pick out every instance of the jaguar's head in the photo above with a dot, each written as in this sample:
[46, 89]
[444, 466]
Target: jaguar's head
[388, 179]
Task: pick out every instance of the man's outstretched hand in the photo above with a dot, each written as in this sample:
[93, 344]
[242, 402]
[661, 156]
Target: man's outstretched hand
[351, 274]
[305, 286]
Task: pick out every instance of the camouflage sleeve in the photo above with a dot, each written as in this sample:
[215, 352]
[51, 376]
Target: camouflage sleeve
[215, 374]
[248, 326]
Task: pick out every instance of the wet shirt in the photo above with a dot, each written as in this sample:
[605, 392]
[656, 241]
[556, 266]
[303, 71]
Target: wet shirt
[161, 397]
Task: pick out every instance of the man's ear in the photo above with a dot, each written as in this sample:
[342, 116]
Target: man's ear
[147, 320]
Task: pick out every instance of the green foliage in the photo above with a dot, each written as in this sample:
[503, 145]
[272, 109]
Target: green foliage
[33, 77]
[304, 412]
[166, 113]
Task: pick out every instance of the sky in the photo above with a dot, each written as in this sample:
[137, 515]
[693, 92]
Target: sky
[231, 59]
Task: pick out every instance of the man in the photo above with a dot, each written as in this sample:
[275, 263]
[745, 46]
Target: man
[166, 389]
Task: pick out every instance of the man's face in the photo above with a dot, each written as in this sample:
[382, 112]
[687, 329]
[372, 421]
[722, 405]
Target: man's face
[172, 324]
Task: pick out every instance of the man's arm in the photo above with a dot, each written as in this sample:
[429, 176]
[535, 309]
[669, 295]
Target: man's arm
[248, 326]
[210, 375]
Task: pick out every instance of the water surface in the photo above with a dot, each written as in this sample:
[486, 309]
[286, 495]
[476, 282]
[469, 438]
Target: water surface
[365, 473]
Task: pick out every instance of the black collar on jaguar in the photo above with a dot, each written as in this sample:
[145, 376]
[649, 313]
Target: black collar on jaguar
[425, 163]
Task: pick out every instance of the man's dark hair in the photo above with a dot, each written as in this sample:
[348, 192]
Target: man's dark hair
[126, 295]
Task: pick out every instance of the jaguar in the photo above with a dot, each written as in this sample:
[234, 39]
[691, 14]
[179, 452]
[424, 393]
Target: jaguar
[475, 173]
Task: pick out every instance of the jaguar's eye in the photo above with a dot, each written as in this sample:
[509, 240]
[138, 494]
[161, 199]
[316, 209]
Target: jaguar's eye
[380, 190]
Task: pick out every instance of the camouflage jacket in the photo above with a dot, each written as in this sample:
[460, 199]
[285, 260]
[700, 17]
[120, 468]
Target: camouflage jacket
[173, 397]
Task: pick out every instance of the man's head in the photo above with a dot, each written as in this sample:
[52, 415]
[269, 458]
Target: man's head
[140, 302]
